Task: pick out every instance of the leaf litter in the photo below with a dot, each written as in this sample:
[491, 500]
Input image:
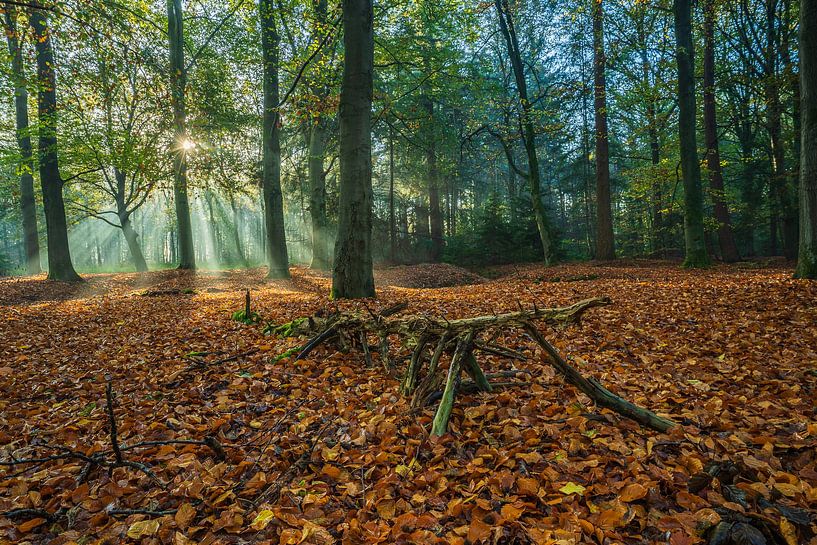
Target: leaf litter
[325, 450]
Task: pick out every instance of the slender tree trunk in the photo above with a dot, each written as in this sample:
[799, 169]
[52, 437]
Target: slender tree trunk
[392, 225]
[131, 238]
[529, 135]
[434, 211]
[352, 274]
[694, 238]
[271, 156]
[726, 239]
[239, 247]
[807, 260]
[317, 196]
[321, 259]
[605, 245]
[28, 208]
[782, 191]
[59, 254]
[178, 85]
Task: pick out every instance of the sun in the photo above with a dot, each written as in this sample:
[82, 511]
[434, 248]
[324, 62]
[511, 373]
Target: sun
[188, 145]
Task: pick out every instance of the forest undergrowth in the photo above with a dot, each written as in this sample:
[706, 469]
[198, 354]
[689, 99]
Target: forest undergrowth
[325, 449]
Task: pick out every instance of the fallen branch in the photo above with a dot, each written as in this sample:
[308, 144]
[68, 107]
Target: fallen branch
[595, 391]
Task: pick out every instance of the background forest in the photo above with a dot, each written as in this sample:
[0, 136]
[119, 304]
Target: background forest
[450, 171]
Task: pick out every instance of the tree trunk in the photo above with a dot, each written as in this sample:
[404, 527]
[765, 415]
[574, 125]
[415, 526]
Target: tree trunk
[239, 248]
[321, 259]
[59, 254]
[352, 274]
[131, 238]
[28, 208]
[392, 224]
[434, 211]
[695, 244]
[271, 160]
[529, 135]
[605, 245]
[807, 261]
[317, 195]
[726, 239]
[178, 84]
[783, 204]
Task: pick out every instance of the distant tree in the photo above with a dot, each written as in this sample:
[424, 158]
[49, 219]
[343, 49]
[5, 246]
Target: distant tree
[28, 207]
[726, 239]
[694, 239]
[807, 262]
[605, 245]
[271, 146]
[506, 26]
[60, 266]
[352, 274]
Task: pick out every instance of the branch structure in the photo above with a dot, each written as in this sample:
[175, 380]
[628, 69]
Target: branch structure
[429, 339]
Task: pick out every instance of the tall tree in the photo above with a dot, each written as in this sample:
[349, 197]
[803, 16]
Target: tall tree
[605, 245]
[181, 141]
[694, 239]
[317, 135]
[506, 26]
[352, 275]
[726, 239]
[271, 146]
[807, 261]
[28, 207]
[59, 254]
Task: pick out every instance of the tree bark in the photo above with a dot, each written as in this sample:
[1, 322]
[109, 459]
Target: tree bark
[131, 238]
[28, 208]
[178, 85]
[271, 159]
[807, 260]
[605, 244]
[781, 188]
[694, 238]
[392, 224]
[59, 254]
[352, 275]
[317, 153]
[317, 195]
[726, 238]
[529, 135]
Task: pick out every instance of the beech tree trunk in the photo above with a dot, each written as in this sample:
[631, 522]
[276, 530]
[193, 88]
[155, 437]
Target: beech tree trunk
[317, 176]
[317, 195]
[352, 275]
[605, 245]
[782, 190]
[807, 260]
[178, 84]
[508, 30]
[131, 238]
[59, 254]
[726, 239]
[694, 238]
[28, 209]
[271, 151]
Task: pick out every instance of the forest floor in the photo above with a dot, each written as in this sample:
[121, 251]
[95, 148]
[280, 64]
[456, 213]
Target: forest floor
[730, 352]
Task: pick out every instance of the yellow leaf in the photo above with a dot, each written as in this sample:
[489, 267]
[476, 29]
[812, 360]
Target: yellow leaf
[788, 531]
[143, 528]
[262, 519]
[572, 488]
[255, 424]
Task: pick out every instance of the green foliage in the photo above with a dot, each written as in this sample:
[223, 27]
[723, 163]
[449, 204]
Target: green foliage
[498, 236]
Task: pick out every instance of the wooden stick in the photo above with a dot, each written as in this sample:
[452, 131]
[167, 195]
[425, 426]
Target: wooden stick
[598, 393]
